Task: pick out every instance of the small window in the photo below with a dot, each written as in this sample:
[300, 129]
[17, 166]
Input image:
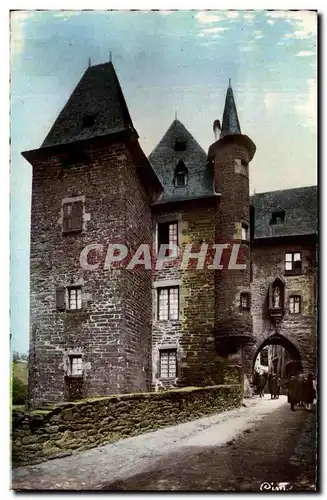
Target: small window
[245, 232]
[293, 262]
[245, 301]
[72, 216]
[168, 363]
[74, 298]
[295, 304]
[75, 366]
[180, 179]
[277, 218]
[180, 145]
[88, 121]
[168, 235]
[181, 174]
[241, 166]
[168, 303]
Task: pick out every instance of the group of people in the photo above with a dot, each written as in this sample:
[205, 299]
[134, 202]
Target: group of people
[274, 384]
[301, 390]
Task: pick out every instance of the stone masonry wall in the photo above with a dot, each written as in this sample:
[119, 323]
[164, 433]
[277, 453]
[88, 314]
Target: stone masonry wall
[299, 329]
[115, 355]
[193, 334]
[71, 427]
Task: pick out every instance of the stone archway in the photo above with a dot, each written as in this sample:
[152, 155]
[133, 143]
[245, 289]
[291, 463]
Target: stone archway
[251, 352]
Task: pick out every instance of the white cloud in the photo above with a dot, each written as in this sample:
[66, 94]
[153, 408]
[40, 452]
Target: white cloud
[207, 17]
[247, 48]
[200, 35]
[270, 21]
[306, 105]
[305, 53]
[217, 29]
[17, 25]
[67, 13]
[304, 22]
[248, 17]
[231, 14]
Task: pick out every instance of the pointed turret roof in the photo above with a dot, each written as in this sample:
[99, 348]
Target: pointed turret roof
[96, 107]
[230, 124]
[178, 145]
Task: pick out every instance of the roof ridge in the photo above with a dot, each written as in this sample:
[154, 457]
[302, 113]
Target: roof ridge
[287, 189]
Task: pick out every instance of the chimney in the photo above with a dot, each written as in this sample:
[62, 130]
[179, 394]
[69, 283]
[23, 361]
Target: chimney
[216, 129]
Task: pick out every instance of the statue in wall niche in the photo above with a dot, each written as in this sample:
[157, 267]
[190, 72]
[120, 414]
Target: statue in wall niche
[277, 297]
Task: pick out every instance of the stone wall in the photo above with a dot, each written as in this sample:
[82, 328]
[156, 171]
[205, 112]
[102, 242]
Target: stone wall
[298, 329]
[192, 335]
[70, 427]
[112, 338]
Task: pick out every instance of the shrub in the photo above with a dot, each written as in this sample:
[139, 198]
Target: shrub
[19, 392]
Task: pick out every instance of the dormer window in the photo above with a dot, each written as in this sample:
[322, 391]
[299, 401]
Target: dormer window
[277, 218]
[181, 175]
[88, 121]
[180, 145]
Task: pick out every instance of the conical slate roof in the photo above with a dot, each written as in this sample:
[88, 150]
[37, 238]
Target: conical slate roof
[96, 107]
[231, 124]
[165, 158]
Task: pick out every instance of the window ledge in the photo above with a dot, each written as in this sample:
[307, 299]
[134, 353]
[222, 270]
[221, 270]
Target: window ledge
[293, 273]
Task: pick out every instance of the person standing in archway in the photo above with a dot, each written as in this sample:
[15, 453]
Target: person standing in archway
[309, 392]
[292, 392]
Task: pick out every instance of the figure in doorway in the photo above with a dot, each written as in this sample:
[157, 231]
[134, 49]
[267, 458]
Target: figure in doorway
[292, 392]
[273, 387]
[309, 392]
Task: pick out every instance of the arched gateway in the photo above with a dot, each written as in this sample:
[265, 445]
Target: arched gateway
[296, 362]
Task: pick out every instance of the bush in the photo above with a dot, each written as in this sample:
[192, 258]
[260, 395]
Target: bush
[19, 392]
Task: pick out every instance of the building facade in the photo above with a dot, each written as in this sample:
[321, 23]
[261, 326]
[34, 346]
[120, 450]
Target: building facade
[101, 329]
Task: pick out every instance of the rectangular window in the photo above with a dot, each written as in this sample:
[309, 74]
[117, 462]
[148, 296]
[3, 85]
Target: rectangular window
[72, 216]
[75, 365]
[293, 262]
[245, 232]
[277, 218]
[74, 298]
[168, 235]
[168, 303]
[295, 304]
[245, 301]
[168, 363]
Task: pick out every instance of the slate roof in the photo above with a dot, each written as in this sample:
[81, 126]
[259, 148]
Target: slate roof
[98, 94]
[230, 124]
[164, 160]
[301, 212]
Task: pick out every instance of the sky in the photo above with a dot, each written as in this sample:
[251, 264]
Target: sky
[167, 62]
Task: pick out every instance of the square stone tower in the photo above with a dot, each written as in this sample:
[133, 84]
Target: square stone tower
[92, 185]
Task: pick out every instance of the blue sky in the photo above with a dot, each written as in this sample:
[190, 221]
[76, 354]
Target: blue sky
[166, 62]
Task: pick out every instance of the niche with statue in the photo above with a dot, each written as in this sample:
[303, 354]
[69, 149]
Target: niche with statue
[277, 299]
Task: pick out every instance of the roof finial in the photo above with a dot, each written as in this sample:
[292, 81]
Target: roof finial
[110, 56]
[89, 61]
[230, 83]
[175, 115]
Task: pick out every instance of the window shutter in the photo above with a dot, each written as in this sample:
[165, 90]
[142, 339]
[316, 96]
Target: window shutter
[60, 298]
[66, 223]
[77, 216]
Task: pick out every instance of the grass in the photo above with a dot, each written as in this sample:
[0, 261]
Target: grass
[20, 371]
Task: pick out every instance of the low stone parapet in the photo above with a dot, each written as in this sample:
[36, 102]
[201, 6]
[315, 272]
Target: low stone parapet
[68, 427]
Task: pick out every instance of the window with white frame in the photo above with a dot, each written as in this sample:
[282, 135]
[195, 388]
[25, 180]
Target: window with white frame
[295, 304]
[293, 262]
[168, 235]
[75, 365]
[245, 300]
[168, 363]
[168, 303]
[74, 299]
